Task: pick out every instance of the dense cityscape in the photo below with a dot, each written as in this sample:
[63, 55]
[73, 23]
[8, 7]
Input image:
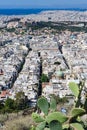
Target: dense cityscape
[41, 54]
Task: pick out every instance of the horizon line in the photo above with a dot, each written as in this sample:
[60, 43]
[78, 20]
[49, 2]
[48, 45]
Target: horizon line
[44, 8]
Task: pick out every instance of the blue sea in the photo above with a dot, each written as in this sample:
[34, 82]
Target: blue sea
[29, 11]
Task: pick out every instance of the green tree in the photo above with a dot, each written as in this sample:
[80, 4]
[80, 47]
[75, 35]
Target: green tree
[1, 105]
[9, 105]
[21, 101]
[44, 78]
[58, 99]
[57, 63]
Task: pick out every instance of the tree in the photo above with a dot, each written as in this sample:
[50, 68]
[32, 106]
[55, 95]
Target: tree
[9, 105]
[21, 101]
[57, 63]
[58, 99]
[44, 78]
[1, 105]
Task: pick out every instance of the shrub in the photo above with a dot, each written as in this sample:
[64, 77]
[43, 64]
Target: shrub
[54, 120]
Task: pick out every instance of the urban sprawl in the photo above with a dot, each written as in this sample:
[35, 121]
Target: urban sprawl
[32, 46]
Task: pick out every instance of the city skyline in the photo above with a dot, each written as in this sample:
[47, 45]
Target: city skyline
[43, 4]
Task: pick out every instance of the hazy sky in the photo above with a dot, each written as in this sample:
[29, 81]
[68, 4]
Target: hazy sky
[43, 3]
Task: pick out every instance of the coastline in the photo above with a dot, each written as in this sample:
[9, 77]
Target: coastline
[50, 15]
[27, 11]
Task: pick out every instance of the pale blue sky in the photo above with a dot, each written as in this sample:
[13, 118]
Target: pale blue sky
[43, 3]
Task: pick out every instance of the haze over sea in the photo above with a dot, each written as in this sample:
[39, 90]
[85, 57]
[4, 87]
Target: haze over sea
[31, 11]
